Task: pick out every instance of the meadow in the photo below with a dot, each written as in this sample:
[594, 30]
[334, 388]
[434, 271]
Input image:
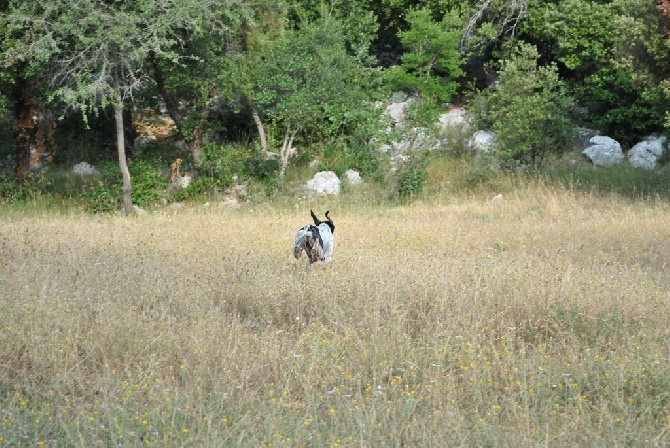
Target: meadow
[538, 320]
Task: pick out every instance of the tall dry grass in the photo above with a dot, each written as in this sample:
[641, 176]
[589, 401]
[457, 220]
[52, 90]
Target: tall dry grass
[540, 320]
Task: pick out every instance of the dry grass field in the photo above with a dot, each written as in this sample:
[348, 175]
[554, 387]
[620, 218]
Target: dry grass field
[541, 320]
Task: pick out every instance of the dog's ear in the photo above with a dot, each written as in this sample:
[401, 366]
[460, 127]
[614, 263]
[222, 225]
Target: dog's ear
[316, 220]
[330, 222]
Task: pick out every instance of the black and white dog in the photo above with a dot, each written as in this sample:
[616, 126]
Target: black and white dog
[316, 240]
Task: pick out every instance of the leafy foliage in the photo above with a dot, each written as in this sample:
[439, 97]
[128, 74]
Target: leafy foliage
[101, 198]
[431, 62]
[412, 177]
[529, 109]
[305, 84]
[149, 186]
[614, 58]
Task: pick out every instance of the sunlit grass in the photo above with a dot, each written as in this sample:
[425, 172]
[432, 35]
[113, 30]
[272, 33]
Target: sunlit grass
[538, 320]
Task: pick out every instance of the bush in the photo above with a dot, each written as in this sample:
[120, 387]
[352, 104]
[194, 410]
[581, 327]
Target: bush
[222, 163]
[37, 183]
[340, 156]
[200, 187]
[101, 198]
[413, 177]
[431, 62]
[149, 183]
[529, 109]
[262, 168]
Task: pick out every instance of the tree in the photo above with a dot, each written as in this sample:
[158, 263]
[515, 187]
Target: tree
[612, 56]
[431, 62]
[663, 8]
[188, 83]
[98, 50]
[492, 20]
[304, 82]
[528, 109]
[32, 121]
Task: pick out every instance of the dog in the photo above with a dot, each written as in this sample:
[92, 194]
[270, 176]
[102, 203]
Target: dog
[316, 240]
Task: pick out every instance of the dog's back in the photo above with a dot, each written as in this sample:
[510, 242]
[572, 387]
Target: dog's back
[316, 240]
[309, 239]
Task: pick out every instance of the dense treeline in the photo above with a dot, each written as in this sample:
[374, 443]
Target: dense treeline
[241, 80]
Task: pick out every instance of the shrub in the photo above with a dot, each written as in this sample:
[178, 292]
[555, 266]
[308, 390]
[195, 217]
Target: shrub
[431, 62]
[37, 183]
[222, 163]
[412, 177]
[101, 198]
[341, 155]
[201, 187]
[149, 183]
[529, 109]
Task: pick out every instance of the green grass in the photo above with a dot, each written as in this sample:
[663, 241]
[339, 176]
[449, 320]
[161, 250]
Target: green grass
[624, 179]
[541, 320]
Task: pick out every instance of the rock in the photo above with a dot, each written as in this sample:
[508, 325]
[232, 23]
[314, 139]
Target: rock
[183, 181]
[646, 153]
[458, 119]
[323, 182]
[353, 177]
[497, 198]
[482, 142]
[604, 151]
[179, 183]
[84, 168]
[397, 110]
[139, 211]
[583, 138]
[143, 140]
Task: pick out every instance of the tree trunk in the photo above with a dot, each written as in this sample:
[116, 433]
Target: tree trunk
[261, 130]
[172, 106]
[33, 127]
[123, 163]
[22, 126]
[195, 145]
[286, 150]
[171, 103]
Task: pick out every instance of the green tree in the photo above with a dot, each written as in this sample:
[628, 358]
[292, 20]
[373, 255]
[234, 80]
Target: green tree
[431, 62]
[529, 109]
[97, 52]
[613, 58]
[188, 82]
[24, 103]
[358, 21]
[304, 82]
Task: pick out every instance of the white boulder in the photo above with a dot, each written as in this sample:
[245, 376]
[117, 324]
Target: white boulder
[353, 177]
[646, 153]
[323, 182]
[604, 151]
[483, 142]
[397, 110]
[84, 168]
[458, 119]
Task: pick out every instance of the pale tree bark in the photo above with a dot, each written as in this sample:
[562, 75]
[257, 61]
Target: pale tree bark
[123, 162]
[261, 130]
[285, 152]
[195, 145]
[505, 17]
